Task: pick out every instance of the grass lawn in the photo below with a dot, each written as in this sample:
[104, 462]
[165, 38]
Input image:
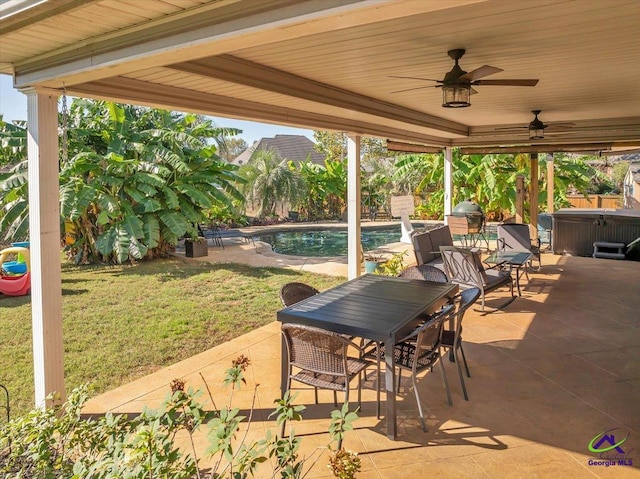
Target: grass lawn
[123, 322]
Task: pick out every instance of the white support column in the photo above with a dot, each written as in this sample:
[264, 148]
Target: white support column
[448, 182]
[353, 206]
[44, 238]
[534, 189]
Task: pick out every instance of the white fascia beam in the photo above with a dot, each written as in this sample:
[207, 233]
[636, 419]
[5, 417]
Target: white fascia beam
[193, 35]
[13, 8]
[243, 72]
[128, 90]
[17, 14]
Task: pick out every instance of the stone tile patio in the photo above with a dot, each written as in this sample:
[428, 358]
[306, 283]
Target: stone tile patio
[558, 366]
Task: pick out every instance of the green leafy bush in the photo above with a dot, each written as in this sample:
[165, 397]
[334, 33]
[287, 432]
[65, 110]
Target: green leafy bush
[59, 442]
[394, 265]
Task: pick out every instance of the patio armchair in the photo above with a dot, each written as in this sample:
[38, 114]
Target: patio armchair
[294, 292]
[452, 338]
[464, 267]
[425, 272]
[322, 359]
[426, 245]
[545, 229]
[420, 351]
[517, 237]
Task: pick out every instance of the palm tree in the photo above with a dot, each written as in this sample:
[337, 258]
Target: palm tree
[269, 180]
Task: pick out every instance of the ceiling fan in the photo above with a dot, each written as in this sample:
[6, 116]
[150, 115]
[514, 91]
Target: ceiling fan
[457, 83]
[536, 127]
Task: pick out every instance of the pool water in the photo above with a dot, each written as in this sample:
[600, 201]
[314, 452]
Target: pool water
[331, 242]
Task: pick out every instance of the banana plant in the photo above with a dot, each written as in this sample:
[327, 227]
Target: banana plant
[135, 181]
[14, 226]
[147, 180]
[490, 180]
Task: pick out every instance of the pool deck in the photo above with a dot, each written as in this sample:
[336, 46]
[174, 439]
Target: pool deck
[237, 250]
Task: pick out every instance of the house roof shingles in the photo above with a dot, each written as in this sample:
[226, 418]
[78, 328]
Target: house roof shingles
[296, 148]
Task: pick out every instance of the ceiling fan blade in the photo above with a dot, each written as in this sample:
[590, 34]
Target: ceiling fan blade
[416, 88]
[552, 132]
[507, 82]
[415, 78]
[560, 126]
[483, 71]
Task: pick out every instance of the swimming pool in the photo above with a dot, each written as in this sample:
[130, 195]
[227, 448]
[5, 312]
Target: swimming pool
[327, 242]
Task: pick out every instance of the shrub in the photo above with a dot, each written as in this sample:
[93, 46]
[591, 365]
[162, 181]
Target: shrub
[59, 442]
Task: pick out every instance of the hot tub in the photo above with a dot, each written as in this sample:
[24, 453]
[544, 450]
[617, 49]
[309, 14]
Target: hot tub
[576, 229]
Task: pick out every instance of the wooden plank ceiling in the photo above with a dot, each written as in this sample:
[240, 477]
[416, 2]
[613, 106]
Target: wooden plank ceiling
[330, 64]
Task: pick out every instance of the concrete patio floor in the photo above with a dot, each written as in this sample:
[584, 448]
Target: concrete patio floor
[557, 367]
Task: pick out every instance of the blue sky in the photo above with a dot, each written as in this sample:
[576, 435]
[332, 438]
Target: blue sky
[13, 106]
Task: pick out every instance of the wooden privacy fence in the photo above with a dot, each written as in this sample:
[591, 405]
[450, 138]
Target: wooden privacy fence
[596, 201]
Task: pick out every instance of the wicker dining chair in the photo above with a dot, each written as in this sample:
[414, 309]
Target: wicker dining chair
[452, 338]
[322, 359]
[425, 272]
[292, 293]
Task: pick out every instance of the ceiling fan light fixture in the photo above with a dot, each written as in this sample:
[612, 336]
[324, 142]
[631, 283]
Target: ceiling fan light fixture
[536, 127]
[456, 96]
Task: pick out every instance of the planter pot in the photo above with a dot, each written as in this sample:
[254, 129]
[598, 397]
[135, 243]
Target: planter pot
[196, 248]
[371, 266]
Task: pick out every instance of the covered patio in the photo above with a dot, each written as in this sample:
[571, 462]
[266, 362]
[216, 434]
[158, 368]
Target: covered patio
[554, 369]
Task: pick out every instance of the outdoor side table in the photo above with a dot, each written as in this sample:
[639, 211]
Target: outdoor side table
[515, 259]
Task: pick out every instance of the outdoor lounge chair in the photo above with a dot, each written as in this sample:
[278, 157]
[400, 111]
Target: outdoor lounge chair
[465, 268]
[322, 359]
[452, 338]
[217, 235]
[517, 237]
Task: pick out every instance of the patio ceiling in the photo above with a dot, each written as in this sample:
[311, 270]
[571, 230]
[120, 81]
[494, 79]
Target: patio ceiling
[328, 64]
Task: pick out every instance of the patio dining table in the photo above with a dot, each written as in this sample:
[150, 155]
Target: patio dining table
[379, 308]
